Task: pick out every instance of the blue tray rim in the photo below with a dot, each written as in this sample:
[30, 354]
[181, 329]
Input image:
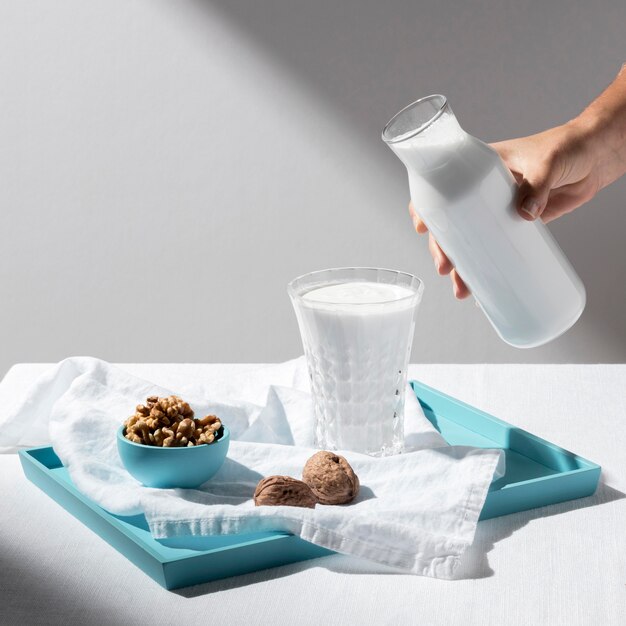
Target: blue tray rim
[28, 454]
[589, 465]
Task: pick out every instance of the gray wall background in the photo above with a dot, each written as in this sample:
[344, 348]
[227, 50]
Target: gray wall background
[167, 167]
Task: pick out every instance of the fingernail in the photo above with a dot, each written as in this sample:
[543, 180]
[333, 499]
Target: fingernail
[531, 207]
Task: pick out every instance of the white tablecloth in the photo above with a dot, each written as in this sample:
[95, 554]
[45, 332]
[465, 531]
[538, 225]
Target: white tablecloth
[563, 564]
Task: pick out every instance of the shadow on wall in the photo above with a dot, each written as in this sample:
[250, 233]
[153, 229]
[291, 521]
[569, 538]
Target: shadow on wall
[366, 60]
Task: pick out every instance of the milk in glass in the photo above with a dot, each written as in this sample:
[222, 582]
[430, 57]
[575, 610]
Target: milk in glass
[357, 337]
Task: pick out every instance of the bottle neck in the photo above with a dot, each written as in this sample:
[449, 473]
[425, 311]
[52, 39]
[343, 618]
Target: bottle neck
[424, 134]
[433, 146]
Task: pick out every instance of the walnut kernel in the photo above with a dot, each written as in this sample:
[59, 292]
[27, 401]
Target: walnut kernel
[169, 422]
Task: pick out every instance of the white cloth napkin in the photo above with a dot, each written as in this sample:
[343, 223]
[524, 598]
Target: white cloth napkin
[416, 511]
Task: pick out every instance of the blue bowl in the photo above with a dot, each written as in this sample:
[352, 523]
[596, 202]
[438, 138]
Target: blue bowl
[168, 468]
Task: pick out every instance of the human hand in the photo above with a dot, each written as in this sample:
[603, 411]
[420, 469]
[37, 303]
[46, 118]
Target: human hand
[442, 262]
[556, 171]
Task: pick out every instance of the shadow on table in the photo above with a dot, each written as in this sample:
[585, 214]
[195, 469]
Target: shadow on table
[474, 563]
[31, 593]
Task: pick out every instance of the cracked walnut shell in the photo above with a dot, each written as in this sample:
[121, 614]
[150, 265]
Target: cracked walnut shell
[331, 478]
[283, 491]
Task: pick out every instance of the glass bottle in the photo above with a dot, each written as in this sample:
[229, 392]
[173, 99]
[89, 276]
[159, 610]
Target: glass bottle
[465, 195]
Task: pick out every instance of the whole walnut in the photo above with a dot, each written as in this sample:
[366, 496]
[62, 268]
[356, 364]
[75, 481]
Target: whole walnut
[331, 478]
[283, 491]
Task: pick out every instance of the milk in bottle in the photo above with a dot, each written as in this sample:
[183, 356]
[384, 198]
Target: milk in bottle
[465, 195]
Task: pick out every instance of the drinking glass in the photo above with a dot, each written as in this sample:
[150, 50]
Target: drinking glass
[357, 348]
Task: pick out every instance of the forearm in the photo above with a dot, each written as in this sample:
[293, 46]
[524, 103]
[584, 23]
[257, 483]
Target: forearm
[604, 124]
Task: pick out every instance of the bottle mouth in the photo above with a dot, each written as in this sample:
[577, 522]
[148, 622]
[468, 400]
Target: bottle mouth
[415, 118]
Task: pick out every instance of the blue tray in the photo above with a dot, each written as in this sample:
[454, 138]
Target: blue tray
[537, 473]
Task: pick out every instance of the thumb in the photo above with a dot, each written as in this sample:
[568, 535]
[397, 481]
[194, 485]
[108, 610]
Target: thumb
[534, 191]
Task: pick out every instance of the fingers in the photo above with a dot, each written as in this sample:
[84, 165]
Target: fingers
[509, 152]
[569, 197]
[458, 286]
[534, 190]
[418, 225]
[536, 174]
[442, 262]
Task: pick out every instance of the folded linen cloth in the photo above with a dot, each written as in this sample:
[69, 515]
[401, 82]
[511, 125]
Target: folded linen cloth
[416, 511]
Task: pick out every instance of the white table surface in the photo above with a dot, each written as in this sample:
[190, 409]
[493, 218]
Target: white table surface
[563, 564]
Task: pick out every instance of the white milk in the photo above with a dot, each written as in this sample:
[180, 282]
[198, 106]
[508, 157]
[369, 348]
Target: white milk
[466, 196]
[357, 338]
[344, 295]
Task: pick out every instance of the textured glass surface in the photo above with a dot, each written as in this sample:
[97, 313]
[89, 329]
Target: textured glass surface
[357, 355]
